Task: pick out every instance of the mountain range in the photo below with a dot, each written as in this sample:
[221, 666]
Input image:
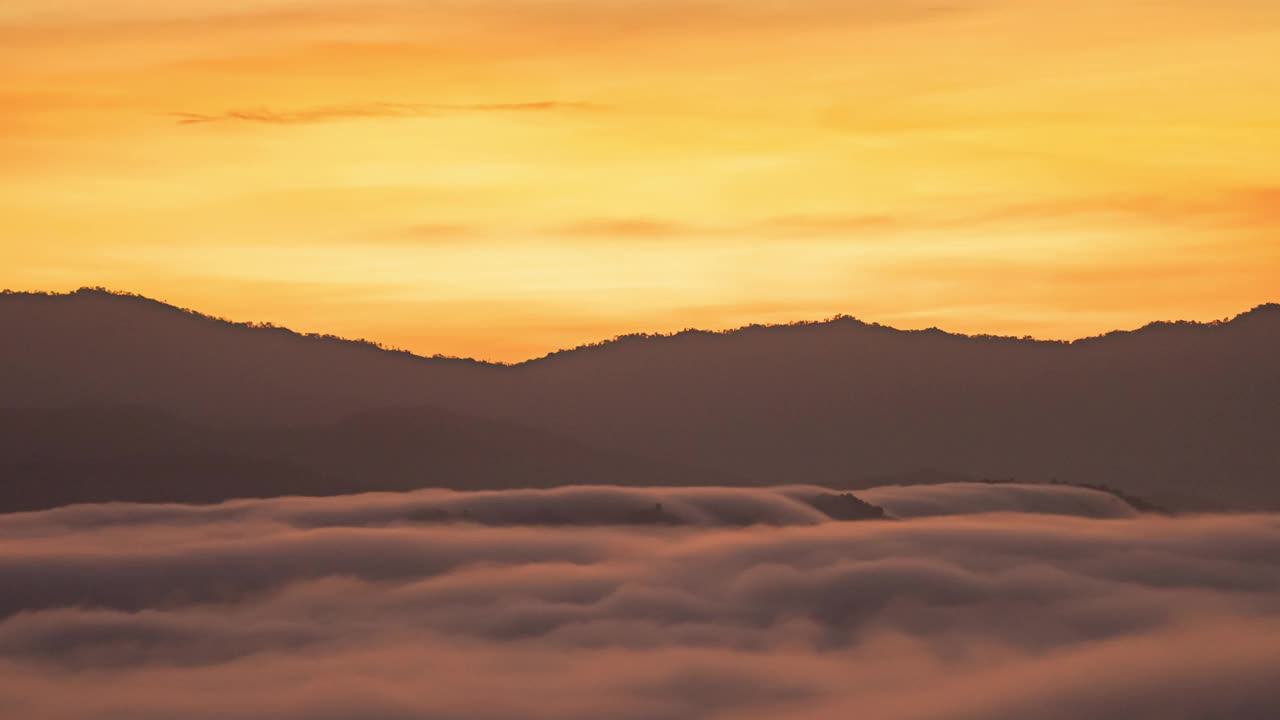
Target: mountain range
[108, 396]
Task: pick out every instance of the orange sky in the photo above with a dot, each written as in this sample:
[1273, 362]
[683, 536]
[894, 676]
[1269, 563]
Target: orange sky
[500, 178]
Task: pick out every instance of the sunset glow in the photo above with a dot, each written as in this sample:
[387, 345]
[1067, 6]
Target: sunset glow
[502, 178]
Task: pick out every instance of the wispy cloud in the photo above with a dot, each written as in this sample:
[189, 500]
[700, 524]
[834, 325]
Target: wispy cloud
[1241, 206]
[328, 113]
[427, 235]
[628, 227]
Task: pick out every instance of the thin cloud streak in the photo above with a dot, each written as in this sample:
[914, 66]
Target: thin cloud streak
[375, 110]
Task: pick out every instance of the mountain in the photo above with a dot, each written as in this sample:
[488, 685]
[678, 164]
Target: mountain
[1186, 414]
[53, 457]
[99, 348]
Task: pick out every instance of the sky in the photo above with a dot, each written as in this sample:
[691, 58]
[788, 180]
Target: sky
[502, 178]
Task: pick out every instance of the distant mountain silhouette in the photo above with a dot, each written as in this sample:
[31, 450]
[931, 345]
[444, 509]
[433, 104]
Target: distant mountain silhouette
[1185, 414]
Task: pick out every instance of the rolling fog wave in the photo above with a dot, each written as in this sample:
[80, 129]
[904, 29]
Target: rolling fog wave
[587, 505]
[909, 501]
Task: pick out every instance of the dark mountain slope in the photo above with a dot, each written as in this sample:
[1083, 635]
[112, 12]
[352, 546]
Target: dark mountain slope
[95, 347]
[52, 457]
[1186, 414]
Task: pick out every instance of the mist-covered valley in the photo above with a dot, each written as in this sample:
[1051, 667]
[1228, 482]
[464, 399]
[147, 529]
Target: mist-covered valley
[960, 601]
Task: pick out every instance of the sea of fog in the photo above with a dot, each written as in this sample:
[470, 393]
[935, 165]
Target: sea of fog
[967, 601]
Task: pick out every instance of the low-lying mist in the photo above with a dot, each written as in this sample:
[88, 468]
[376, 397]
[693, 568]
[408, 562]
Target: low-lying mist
[703, 507]
[966, 601]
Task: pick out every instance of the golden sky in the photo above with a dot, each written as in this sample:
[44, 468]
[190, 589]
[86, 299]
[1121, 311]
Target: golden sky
[500, 178]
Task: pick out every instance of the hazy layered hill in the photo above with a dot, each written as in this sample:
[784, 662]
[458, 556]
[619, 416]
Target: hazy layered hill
[53, 457]
[1187, 414]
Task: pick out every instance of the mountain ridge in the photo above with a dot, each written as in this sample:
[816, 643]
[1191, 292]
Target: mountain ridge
[1184, 413]
[847, 321]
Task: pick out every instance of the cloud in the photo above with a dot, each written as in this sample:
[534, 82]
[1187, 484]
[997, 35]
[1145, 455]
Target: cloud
[427, 234]
[344, 608]
[972, 498]
[574, 505]
[821, 225]
[629, 228]
[356, 111]
[1238, 208]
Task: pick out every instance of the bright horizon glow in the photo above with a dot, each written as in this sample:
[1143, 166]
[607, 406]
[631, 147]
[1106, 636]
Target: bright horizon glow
[503, 178]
